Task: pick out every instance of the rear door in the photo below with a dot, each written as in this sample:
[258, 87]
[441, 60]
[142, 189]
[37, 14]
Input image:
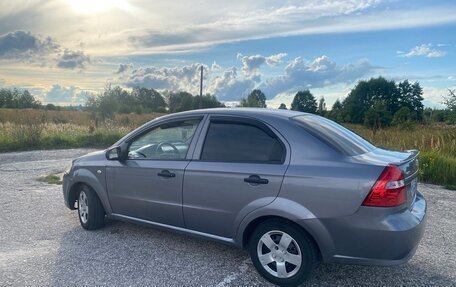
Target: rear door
[238, 166]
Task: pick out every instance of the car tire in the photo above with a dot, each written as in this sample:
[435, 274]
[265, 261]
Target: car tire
[90, 210]
[284, 263]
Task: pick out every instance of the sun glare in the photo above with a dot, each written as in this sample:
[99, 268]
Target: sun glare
[96, 6]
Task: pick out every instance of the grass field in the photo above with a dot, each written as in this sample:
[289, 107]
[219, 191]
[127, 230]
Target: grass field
[39, 129]
[436, 143]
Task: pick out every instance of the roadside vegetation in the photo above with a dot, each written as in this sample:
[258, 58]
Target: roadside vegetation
[51, 179]
[386, 113]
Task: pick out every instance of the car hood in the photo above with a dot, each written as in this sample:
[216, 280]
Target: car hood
[96, 155]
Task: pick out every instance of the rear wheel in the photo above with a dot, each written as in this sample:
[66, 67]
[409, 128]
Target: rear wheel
[282, 252]
[90, 210]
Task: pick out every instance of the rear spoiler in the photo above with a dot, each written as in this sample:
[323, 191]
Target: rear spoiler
[409, 165]
[413, 155]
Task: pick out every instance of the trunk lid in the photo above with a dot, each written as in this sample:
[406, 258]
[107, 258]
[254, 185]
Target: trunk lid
[407, 161]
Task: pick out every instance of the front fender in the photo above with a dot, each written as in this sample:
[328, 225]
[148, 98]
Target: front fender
[96, 182]
[292, 211]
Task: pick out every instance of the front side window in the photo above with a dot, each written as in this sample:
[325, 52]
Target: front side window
[238, 142]
[169, 141]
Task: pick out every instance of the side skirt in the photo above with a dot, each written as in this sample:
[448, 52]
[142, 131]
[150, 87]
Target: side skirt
[176, 229]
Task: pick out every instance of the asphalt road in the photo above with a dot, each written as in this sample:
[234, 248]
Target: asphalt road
[42, 243]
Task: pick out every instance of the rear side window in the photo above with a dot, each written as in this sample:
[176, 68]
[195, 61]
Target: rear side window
[239, 142]
[334, 135]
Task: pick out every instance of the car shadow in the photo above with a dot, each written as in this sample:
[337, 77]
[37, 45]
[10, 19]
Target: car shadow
[124, 254]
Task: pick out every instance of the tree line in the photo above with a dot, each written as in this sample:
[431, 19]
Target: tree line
[143, 100]
[15, 99]
[376, 103]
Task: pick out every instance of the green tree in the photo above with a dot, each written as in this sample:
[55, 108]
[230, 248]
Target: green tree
[450, 100]
[410, 96]
[304, 101]
[208, 101]
[6, 98]
[26, 101]
[15, 99]
[282, 106]
[367, 94]
[180, 101]
[149, 100]
[107, 106]
[402, 116]
[335, 113]
[256, 99]
[377, 116]
[50, 107]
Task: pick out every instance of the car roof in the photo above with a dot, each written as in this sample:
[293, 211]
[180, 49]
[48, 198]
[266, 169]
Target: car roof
[251, 112]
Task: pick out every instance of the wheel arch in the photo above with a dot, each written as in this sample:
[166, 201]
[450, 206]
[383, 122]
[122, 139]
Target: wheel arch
[248, 231]
[296, 214]
[86, 177]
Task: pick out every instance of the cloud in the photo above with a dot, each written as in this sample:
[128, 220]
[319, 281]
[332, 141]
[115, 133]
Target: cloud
[21, 45]
[215, 67]
[319, 72]
[252, 64]
[175, 78]
[276, 59]
[225, 84]
[58, 94]
[425, 50]
[124, 68]
[181, 27]
[230, 86]
[73, 59]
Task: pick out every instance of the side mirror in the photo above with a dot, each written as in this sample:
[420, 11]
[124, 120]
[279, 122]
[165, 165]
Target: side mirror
[114, 153]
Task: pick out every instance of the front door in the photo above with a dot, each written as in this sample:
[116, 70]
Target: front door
[148, 185]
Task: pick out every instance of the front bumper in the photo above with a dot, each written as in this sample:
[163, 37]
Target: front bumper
[66, 186]
[377, 236]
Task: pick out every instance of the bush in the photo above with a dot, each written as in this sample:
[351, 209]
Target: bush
[437, 168]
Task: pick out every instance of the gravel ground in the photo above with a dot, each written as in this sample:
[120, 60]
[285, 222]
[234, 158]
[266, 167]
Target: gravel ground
[42, 243]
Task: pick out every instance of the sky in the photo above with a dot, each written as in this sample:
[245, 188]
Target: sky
[63, 50]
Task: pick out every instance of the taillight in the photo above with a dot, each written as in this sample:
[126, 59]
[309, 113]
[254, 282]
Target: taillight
[389, 190]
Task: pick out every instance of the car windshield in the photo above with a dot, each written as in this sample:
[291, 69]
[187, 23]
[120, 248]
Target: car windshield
[334, 134]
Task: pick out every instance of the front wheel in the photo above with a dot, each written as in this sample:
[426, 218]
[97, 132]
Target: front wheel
[90, 210]
[282, 253]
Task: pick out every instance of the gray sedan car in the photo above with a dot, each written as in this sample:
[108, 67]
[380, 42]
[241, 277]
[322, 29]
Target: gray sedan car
[292, 188]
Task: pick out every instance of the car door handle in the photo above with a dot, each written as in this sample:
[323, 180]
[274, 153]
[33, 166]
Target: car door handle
[256, 179]
[166, 173]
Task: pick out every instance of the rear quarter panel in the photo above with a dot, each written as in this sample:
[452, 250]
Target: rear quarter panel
[324, 181]
[329, 188]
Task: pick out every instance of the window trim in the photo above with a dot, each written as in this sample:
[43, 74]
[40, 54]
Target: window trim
[150, 128]
[242, 121]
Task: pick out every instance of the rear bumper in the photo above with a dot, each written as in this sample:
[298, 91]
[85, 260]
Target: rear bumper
[376, 236]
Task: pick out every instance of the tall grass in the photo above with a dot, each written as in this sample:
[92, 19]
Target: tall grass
[436, 143]
[40, 129]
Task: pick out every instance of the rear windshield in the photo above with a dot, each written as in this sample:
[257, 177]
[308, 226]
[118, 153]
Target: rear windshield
[334, 135]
